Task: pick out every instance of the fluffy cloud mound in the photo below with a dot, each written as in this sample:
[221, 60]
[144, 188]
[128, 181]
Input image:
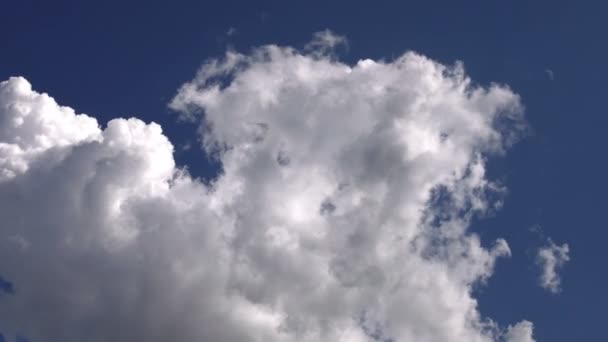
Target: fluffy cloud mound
[520, 332]
[551, 258]
[32, 124]
[340, 214]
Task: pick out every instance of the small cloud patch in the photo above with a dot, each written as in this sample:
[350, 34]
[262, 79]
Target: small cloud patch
[551, 258]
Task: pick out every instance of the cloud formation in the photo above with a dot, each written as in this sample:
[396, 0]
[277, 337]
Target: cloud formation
[520, 332]
[325, 42]
[341, 212]
[551, 258]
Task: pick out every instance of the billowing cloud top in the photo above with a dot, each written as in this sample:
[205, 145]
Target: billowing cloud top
[340, 213]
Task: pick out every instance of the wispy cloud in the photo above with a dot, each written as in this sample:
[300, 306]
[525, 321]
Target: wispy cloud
[551, 258]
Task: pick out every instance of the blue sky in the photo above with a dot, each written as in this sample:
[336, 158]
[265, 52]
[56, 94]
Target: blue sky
[113, 59]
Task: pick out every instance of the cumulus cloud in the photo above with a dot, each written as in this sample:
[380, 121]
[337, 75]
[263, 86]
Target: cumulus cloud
[32, 124]
[551, 258]
[520, 332]
[341, 212]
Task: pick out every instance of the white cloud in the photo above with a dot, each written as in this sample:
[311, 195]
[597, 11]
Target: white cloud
[32, 124]
[520, 332]
[551, 258]
[324, 42]
[341, 213]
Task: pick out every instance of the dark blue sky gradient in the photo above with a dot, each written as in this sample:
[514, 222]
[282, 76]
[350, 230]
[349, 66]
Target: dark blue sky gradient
[127, 58]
